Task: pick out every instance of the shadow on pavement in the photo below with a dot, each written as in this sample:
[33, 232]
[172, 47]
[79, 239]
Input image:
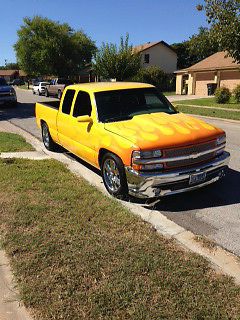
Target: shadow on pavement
[221, 193]
[22, 111]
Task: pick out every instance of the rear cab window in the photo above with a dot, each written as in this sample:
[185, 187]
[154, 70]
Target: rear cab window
[67, 101]
[83, 105]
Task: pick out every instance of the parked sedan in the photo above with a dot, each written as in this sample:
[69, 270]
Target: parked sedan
[39, 88]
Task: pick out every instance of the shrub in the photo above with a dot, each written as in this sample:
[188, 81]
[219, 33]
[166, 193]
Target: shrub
[222, 95]
[155, 76]
[236, 93]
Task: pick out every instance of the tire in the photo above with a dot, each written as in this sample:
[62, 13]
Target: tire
[47, 139]
[59, 95]
[46, 93]
[33, 92]
[39, 93]
[113, 175]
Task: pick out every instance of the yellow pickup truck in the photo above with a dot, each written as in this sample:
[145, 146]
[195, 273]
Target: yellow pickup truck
[142, 145]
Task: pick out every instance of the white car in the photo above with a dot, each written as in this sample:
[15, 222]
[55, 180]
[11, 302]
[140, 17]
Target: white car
[39, 88]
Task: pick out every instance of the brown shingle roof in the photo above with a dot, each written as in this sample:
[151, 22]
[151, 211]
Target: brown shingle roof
[7, 72]
[216, 61]
[148, 45]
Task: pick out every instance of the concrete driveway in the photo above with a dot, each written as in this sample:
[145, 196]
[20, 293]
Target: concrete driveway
[179, 97]
[213, 211]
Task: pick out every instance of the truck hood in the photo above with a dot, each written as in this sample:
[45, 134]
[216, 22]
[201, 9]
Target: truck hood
[5, 88]
[162, 130]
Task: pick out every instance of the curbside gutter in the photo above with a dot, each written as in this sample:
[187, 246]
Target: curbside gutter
[221, 259]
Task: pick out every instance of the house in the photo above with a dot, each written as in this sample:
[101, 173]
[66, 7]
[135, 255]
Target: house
[158, 54]
[216, 71]
[10, 75]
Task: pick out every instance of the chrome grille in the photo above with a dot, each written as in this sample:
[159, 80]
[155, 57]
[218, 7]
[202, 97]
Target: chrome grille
[189, 162]
[186, 151]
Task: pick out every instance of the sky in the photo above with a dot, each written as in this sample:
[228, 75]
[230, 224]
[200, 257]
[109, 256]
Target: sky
[105, 20]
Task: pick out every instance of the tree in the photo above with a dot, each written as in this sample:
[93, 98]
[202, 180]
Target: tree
[184, 59]
[202, 45]
[224, 19]
[10, 66]
[46, 47]
[157, 77]
[197, 48]
[121, 63]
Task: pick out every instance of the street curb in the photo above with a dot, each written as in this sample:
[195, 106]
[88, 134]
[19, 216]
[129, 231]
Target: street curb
[220, 258]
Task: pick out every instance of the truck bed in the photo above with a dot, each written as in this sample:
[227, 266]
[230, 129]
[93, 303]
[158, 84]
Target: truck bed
[47, 112]
[52, 104]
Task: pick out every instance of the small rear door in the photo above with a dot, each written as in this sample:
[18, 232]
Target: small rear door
[83, 134]
[64, 120]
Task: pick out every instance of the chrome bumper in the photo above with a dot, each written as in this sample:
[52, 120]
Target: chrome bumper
[152, 184]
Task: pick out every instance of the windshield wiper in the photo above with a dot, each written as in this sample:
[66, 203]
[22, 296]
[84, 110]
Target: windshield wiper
[118, 118]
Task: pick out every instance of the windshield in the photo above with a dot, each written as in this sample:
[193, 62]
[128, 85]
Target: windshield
[3, 82]
[124, 104]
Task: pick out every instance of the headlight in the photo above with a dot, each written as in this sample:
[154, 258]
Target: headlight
[221, 140]
[12, 92]
[146, 154]
[140, 160]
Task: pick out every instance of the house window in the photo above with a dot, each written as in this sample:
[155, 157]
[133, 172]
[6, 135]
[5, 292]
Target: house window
[146, 58]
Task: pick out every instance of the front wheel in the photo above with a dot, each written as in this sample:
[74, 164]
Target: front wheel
[47, 139]
[114, 177]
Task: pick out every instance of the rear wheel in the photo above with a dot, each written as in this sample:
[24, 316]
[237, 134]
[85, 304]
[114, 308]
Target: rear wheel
[114, 177]
[47, 139]
[46, 93]
[39, 93]
[33, 92]
[59, 95]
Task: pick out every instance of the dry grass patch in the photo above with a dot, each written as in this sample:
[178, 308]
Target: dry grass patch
[77, 254]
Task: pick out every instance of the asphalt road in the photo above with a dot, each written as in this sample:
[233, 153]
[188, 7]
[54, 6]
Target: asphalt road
[213, 211]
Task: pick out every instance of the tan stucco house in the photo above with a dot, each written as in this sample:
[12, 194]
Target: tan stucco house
[218, 70]
[158, 54]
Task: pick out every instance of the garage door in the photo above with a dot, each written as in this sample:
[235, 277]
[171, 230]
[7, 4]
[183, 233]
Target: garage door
[202, 79]
[230, 79]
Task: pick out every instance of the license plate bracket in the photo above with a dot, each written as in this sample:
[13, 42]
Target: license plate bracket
[197, 178]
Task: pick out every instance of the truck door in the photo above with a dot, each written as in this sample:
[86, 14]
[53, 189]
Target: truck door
[83, 133]
[64, 120]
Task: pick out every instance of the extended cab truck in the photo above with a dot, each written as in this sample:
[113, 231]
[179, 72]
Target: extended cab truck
[142, 145]
[56, 87]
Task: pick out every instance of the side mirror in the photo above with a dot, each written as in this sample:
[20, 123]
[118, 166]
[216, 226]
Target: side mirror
[84, 119]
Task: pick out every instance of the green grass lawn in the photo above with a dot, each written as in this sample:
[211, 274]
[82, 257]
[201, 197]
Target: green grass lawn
[217, 113]
[24, 86]
[11, 142]
[171, 93]
[210, 102]
[77, 254]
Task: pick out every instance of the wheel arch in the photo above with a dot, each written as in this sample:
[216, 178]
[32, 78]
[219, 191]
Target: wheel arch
[102, 152]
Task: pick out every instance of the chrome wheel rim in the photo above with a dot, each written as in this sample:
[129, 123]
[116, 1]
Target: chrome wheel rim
[45, 134]
[111, 175]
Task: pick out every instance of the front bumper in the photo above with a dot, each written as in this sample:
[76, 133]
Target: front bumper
[151, 185]
[8, 99]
